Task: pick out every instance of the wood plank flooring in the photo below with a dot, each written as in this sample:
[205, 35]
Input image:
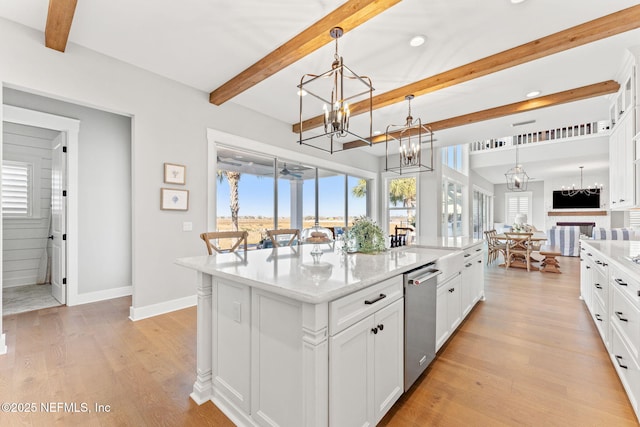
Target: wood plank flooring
[529, 355]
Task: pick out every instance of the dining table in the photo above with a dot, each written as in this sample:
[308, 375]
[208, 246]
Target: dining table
[537, 239]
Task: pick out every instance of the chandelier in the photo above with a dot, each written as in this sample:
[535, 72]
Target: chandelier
[572, 191]
[517, 178]
[409, 138]
[334, 90]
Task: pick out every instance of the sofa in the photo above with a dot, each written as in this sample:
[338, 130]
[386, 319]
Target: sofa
[600, 233]
[567, 238]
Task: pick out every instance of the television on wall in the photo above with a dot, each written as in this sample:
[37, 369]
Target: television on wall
[578, 201]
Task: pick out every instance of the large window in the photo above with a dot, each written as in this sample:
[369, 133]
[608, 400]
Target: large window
[453, 157]
[452, 204]
[517, 203]
[257, 192]
[482, 207]
[17, 189]
[401, 204]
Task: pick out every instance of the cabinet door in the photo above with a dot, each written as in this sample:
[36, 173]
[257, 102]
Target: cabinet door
[388, 357]
[351, 375]
[478, 279]
[454, 303]
[614, 171]
[467, 288]
[627, 171]
[585, 279]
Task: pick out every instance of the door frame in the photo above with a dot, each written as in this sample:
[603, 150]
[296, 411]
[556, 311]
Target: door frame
[71, 128]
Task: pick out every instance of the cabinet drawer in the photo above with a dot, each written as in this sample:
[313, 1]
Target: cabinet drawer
[600, 289]
[475, 250]
[624, 282]
[627, 318]
[627, 368]
[601, 320]
[352, 308]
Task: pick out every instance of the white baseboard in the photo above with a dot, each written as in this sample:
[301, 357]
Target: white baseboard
[139, 313]
[3, 346]
[100, 295]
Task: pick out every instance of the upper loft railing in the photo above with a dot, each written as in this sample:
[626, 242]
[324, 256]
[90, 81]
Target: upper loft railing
[561, 133]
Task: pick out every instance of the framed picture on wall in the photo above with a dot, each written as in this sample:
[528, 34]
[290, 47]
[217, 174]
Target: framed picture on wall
[174, 200]
[175, 174]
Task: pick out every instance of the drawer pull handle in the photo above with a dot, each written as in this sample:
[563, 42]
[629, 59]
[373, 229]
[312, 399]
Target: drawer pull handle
[589, 253]
[588, 267]
[618, 359]
[380, 327]
[468, 265]
[597, 285]
[478, 250]
[467, 255]
[619, 315]
[452, 290]
[598, 318]
[375, 300]
[620, 282]
[479, 261]
[598, 262]
[374, 330]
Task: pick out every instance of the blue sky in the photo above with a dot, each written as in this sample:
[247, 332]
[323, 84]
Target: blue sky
[256, 197]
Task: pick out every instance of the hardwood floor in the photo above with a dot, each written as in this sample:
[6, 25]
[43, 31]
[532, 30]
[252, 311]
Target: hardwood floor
[528, 355]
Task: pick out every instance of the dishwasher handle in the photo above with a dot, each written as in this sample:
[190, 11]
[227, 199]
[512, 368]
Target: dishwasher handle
[432, 273]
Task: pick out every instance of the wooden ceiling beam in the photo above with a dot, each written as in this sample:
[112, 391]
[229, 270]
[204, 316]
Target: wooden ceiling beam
[348, 16]
[59, 19]
[600, 28]
[571, 95]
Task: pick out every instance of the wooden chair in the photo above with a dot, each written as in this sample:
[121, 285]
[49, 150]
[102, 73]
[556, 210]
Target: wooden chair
[518, 250]
[294, 232]
[241, 237]
[494, 246]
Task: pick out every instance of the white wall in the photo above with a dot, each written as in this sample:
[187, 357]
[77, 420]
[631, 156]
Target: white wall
[169, 125]
[104, 182]
[24, 259]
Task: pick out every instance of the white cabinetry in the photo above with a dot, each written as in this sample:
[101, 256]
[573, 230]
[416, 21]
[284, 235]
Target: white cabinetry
[448, 309]
[621, 161]
[472, 288]
[366, 361]
[615, 308]
[622, 168]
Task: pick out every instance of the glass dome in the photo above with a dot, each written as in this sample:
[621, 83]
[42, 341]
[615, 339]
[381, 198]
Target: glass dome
[316, 234]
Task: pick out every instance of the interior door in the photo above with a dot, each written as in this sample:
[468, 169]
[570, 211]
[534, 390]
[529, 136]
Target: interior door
[58, 220]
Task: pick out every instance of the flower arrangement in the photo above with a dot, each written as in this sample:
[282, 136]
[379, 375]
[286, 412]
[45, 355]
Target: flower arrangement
[364, 236]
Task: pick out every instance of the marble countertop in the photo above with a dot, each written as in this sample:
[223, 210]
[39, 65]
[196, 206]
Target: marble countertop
[463, 242]
[619, 251]
[293, 272]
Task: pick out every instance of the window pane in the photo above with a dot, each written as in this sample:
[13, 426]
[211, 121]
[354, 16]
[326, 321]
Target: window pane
[402, 204]
[16, 184]
[357, 197]
[331, 202]
[459, 158]
[244, 197]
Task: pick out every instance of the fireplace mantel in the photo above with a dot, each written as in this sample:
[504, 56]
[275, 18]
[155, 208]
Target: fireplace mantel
[577, 213]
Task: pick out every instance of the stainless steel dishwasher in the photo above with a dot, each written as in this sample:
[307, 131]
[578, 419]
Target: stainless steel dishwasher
[420, 287]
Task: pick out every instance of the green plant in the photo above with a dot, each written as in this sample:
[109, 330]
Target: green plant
[364, 236]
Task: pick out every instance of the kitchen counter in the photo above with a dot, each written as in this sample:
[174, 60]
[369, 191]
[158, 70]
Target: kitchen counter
[618, 251]
[463, 242]
[292, 272]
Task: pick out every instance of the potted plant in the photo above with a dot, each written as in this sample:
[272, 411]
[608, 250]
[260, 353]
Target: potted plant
[364, 236]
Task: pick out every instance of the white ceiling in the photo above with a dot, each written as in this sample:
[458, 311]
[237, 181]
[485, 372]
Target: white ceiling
[203, 43]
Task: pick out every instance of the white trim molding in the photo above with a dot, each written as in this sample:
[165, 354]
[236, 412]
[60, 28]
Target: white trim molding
[96, 296]
[139, 313]
[3, 346]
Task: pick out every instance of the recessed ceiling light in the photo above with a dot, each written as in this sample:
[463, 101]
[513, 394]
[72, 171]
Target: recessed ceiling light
[417, 41]
[376, 132]
[533, 93]
[516, 1]
[302, 92]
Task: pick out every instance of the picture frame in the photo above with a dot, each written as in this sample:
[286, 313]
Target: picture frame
[175, 174]
[174, 200]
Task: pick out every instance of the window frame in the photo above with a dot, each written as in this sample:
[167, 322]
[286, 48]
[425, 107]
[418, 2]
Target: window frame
[388, 177]
[34, 182]
[513, 194]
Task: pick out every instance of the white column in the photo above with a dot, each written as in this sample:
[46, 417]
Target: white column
[296, 203]
[203, 387]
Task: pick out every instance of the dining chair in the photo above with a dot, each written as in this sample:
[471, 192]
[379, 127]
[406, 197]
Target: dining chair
[293, 232]
[209, 238]
[518, 248]
[495, 247]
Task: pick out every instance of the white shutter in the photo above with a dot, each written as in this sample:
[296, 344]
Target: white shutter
[634, 220]
[16, 184]
[517, 203]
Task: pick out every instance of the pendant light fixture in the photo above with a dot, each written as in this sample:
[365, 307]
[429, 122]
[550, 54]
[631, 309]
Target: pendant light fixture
[573, 191]
[409, 139]
[331, 93]
[517, 178]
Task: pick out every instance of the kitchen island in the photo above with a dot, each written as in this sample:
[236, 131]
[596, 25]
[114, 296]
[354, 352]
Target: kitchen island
[279, 328]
